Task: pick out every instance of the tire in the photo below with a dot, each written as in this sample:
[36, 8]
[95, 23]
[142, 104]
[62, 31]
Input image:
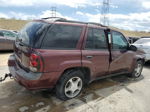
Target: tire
[70, 85]
[137, 70]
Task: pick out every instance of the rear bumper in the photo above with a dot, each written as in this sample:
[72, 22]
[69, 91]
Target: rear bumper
[30, 80]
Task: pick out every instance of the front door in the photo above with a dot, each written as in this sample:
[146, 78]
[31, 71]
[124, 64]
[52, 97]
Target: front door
[95, 54]
[120, 56]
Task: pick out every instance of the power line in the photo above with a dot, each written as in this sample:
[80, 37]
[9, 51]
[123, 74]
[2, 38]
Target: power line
[53, 11]
[104, 19]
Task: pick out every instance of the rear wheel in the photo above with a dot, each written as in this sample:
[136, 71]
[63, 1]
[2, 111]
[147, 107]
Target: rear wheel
[70, 85]
[137, 70]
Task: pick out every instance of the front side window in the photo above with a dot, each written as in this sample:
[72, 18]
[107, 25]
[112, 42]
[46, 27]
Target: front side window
[119, 41]
[62, 37]
[96, 39]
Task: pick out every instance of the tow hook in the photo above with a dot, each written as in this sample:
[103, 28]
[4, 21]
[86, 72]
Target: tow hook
[6, 75]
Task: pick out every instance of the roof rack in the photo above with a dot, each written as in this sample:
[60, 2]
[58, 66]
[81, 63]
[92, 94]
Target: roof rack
[54, 19]
[82, 22]
[72, 21]
[97, 24]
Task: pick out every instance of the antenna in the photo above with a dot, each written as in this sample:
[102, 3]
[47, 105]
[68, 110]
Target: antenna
[53, 11]
[104, 19]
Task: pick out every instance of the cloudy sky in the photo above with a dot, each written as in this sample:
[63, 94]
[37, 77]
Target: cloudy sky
[125, 14]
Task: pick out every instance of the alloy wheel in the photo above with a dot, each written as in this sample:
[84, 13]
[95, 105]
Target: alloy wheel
[138, 69]
[73, 87]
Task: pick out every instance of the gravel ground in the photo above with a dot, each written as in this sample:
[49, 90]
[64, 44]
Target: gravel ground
[117, 94]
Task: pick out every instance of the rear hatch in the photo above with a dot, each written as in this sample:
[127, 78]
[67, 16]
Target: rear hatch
[29, 39]
[22, 54]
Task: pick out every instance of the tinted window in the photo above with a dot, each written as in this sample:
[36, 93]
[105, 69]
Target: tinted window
[96, 39]
[62, 36]
[119, 41]
[32, 32]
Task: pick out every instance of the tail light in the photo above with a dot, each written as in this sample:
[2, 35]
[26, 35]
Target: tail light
[36, 64]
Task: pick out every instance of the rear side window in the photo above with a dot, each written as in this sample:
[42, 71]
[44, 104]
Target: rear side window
[62, 37]
[96, 39]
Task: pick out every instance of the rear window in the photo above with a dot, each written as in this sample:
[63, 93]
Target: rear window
[32, 32]
[62, 37]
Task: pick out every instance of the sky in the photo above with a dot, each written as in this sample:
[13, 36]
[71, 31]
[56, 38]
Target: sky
[124, 14]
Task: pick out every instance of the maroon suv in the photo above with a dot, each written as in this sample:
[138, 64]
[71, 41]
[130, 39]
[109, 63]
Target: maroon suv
[66, 55]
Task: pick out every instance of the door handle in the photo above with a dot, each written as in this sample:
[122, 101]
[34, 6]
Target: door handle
[89, 57]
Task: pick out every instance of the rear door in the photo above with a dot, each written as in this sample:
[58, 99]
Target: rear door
[95, 54]
[121, 57]
[60, 47]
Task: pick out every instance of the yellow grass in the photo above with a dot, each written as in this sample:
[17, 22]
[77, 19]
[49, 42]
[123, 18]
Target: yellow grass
[133, 33]
[12, 24]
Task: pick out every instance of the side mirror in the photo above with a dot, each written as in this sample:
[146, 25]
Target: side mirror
[133, 48]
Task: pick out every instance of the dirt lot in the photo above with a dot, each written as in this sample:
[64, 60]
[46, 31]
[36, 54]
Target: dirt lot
[117, 94]
[4, 57]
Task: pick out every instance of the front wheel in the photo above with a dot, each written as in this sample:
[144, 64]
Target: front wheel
[137, 70]
[70, 85]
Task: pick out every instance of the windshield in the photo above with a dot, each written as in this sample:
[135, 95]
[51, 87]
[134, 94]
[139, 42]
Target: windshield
[32, 32]
[143, 41]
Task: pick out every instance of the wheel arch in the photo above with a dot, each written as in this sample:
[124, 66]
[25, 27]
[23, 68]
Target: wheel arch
[85, 70]
[141, 59]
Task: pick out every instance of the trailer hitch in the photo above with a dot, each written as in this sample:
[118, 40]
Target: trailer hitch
[6, 75]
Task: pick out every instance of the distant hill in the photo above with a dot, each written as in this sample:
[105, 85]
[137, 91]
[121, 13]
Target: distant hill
[128, 33]
[12, 24]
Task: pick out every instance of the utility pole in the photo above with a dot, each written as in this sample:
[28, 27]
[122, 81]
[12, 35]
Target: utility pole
[104, 19]
[53, 11]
